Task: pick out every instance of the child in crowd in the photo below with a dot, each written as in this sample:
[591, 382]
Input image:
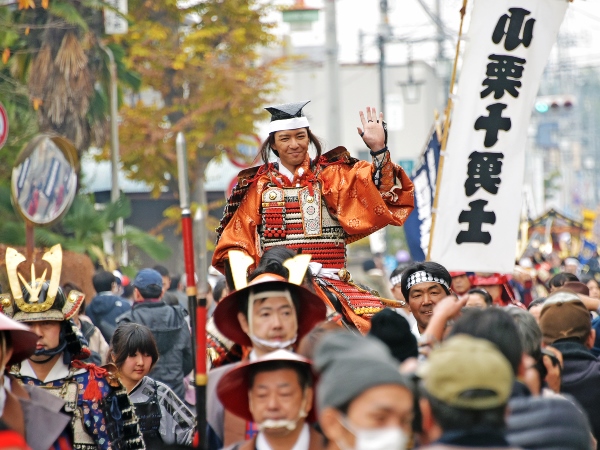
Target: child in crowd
[163, 417]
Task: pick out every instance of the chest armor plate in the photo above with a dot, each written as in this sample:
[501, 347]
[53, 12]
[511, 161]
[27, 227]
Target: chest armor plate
[69, 392]
[298, 218]
[149, 415]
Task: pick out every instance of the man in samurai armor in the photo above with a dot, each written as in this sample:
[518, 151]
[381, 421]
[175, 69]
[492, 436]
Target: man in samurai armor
[31, 412]
[317, 205]
[101, 415]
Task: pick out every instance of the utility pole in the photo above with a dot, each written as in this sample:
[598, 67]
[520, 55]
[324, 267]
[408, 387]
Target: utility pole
[120, 247]
[333, 76]
[384, 31]
[443, 73]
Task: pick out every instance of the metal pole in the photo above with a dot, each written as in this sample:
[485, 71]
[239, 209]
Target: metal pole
[333, 76]
[197, 307]
[114, 146]
[201, 230]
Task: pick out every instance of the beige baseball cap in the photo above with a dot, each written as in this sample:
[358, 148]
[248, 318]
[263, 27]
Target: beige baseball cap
[467, 372]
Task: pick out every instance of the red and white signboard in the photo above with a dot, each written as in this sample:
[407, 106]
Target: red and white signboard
[3, 125]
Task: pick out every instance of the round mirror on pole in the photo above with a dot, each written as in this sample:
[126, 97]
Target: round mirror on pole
[44, 179]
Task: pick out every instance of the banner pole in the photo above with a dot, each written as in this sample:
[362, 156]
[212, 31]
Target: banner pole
[446, 130]
[197, 309]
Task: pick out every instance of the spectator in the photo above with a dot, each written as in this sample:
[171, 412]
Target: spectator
[466, 386]
[542, 423]
[478, 298]
[593, 286]
[394, 331]
[168, 296]
[395, 282]
[558, 280]
[424, 285]
[535, 308]
[460, 283]
[498, 287]
[363, 401]
[167, 323]
[566, 325]
[133, 350]
[106, 306]
[279, 400]
[219, 292]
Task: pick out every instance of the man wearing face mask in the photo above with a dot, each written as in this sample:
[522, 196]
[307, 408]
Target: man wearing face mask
[363, 401]
[269, 314]
[279, 401]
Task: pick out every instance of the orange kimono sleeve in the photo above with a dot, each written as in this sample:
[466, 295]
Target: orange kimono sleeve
[361, 207]
[241, 232]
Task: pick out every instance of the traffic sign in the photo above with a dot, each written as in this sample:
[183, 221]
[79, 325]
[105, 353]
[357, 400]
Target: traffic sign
[3, 125]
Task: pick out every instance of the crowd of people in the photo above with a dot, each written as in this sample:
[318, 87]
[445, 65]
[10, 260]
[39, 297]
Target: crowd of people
[454, 366]
[301, 355]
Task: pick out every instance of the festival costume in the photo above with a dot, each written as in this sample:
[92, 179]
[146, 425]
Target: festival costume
[325, 205]
[507, 297]
[101, 415]
[226, 428]
[237, 381]
[163, 417]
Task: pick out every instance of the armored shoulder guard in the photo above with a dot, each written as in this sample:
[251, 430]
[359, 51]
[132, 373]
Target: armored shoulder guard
[337, 155]
[245, 179]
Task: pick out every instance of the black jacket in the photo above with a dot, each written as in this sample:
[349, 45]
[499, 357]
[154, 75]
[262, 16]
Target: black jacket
[581, 379]
[103, 310]
[173, 338]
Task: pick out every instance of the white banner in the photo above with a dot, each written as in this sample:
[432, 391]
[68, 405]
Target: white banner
[480, 194]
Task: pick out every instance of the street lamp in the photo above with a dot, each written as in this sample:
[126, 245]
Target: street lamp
[411, 88]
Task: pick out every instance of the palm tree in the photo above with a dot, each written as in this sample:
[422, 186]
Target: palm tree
[54, 48]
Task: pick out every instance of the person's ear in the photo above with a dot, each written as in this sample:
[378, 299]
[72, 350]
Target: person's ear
[591, 339]
[6, 358]
[243, 323]
[250, 407]
[309, 392]
[331, 425]
[426, 415]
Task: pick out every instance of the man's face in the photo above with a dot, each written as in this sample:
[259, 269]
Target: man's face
[292, 146]
[384, 406]
[48, 332]
[273, 319]
[461, 284]
[166, 283]
[422, 298]
[277, 395]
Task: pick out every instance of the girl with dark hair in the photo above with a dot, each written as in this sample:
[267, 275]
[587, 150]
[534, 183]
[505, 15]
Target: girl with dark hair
[163, 417]
[317, 204]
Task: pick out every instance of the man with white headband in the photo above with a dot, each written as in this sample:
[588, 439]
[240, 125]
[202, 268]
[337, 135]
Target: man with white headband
[424, 285]
[279, 401]
[269, 314]
[317, 203]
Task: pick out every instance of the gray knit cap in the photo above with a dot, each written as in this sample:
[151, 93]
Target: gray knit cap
[350, 364]
[548, 423]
